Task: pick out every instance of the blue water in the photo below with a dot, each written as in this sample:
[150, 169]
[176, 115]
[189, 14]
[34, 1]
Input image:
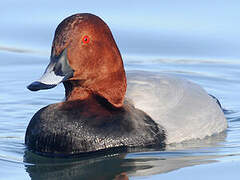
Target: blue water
[195, 40]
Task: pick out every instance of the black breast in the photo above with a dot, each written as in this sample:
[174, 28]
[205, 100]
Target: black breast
[58, 131]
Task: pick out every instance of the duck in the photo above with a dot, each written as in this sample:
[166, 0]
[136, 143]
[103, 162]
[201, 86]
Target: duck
[107, 108]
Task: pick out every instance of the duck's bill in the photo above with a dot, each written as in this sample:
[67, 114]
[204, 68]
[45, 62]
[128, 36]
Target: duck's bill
[57, 71]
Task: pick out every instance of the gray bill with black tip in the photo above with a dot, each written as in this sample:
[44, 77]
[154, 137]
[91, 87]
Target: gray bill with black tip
[56, 72]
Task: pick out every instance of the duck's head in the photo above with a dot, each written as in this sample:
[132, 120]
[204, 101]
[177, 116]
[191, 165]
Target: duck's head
[86, 59]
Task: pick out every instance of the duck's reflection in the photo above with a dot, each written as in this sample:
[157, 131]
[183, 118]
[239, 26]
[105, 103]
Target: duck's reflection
[103, 167]
[120, 166]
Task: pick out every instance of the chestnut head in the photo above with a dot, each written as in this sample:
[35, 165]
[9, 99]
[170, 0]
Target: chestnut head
[84, 51]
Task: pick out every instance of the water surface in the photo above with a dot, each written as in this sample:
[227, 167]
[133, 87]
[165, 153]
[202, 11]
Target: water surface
[18, 105]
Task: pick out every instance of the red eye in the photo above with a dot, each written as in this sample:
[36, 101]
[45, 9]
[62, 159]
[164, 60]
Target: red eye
[85, 39]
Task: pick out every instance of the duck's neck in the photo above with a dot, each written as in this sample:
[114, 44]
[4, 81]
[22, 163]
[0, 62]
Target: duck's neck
[75, 92]
[112, 89]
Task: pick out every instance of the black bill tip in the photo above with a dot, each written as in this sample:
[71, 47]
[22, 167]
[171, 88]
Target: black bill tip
[36, 85]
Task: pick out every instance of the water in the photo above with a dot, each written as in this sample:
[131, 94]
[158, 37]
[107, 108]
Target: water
[179, 47]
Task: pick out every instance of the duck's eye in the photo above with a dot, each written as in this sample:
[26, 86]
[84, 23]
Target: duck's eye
[85, 39]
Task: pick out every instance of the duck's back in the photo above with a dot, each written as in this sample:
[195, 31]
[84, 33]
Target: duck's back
[183, 108]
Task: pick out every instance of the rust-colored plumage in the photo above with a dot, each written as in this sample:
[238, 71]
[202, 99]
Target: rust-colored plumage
[98, 67]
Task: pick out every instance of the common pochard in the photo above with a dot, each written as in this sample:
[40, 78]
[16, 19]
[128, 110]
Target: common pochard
[159, 109]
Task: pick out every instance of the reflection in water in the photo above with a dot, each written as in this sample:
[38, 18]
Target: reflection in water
[120, 166]
[103, 167]
[177, 156]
